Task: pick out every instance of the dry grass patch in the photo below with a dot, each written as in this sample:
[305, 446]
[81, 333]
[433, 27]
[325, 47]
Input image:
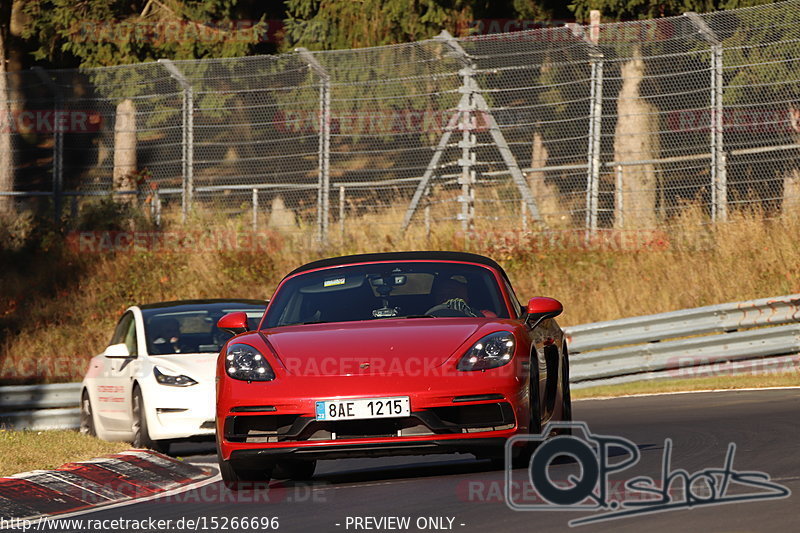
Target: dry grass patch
[784, 379]
[24, 451]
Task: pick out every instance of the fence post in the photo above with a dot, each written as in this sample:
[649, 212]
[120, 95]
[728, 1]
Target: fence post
[323, 191]
[595, 118]
[255, 210]
[427, 213]
[58, 144]
[619, 205]
[341, 212]
[187, 155]
[719, 178]
[467, 160]
[157, 208]
[471, 103]
[523, 210]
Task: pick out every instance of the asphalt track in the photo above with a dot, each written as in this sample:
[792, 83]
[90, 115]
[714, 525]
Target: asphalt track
[764, 425]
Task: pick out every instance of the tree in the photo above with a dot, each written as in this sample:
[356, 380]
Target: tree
[330, 25]
[6, 155]
[103, 33]
[109, 32]
[319, 25]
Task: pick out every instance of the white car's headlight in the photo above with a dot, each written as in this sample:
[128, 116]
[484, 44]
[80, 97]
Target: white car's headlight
[493, 350]
[246, 363]
[165, 377]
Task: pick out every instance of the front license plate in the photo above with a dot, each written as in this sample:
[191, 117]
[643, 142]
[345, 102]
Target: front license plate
[363, 408]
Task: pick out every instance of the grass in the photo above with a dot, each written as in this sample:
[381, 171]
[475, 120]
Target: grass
[59, 304]
[783, 379]
[24, 451]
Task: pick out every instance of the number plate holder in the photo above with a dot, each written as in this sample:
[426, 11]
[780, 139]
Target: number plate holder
[363, 408]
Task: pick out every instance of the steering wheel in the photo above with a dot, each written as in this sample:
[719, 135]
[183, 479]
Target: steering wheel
[444, 310]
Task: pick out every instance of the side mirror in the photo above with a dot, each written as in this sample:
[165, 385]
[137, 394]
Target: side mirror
[233, 323]
[540, 308]
[117, 351]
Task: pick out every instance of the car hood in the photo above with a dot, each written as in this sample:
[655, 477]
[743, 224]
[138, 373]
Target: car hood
[384, 347]
[199, 366]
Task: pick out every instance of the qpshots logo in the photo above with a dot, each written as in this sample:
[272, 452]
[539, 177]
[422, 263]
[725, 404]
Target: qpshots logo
[599, 459]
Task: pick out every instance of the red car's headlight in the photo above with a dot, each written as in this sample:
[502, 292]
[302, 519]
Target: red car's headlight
[247, 364]
[492, 351]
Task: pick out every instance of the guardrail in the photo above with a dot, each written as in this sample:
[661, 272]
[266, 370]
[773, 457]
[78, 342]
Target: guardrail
[742, 337]
[718, 339]
[37, 407]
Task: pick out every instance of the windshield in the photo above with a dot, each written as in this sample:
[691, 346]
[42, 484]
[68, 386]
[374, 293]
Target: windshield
[390, 290]
[192, 329]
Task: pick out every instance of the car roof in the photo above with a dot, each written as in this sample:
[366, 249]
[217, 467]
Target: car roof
[200, 303]
[400, 256]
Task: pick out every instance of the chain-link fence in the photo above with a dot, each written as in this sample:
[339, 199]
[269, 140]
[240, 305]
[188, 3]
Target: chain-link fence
[580, 127]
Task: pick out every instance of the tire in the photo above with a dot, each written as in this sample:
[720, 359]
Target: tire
[294, 470]
[242, 479]
[141, 436]
[521, 459]
[87, 416]
[522, 455]
[566, 396]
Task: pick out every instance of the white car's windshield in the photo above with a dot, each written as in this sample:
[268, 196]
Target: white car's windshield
[192, 329]
[388, 290]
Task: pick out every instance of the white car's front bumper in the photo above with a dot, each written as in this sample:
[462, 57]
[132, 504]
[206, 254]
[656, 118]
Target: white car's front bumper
[180, 412]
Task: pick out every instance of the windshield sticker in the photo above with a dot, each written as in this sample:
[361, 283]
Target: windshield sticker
[332, 282]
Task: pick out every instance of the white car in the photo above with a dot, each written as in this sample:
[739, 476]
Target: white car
[154, 383]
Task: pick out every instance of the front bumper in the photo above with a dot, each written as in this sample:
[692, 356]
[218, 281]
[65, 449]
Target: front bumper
[447, 414]
[180, 412]
[257, 457]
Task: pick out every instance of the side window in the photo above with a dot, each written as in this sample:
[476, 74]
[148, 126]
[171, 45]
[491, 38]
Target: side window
[519, 309]
[126, 333]
[130, 339]
[123, 326]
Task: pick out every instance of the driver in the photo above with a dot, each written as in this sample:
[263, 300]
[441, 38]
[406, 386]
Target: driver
[167, 334]
[454, 295]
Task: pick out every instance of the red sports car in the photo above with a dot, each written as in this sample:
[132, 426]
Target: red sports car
[387, 354]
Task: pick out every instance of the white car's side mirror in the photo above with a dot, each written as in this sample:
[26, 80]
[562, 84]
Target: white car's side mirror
[117, 350]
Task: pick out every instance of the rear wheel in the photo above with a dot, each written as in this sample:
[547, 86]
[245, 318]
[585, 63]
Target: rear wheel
[240, 478]
[566, 397]
[294, 470]
[87, 417]
[141, 436]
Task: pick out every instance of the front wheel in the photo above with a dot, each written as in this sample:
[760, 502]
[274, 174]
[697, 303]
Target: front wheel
[521, 455]
[87, 417]
[240, 478]
[141, 436]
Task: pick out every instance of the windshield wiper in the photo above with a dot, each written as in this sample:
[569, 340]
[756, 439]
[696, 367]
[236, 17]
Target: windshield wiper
[418, 316]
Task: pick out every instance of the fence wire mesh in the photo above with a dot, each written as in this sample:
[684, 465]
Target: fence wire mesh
[621, 125]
